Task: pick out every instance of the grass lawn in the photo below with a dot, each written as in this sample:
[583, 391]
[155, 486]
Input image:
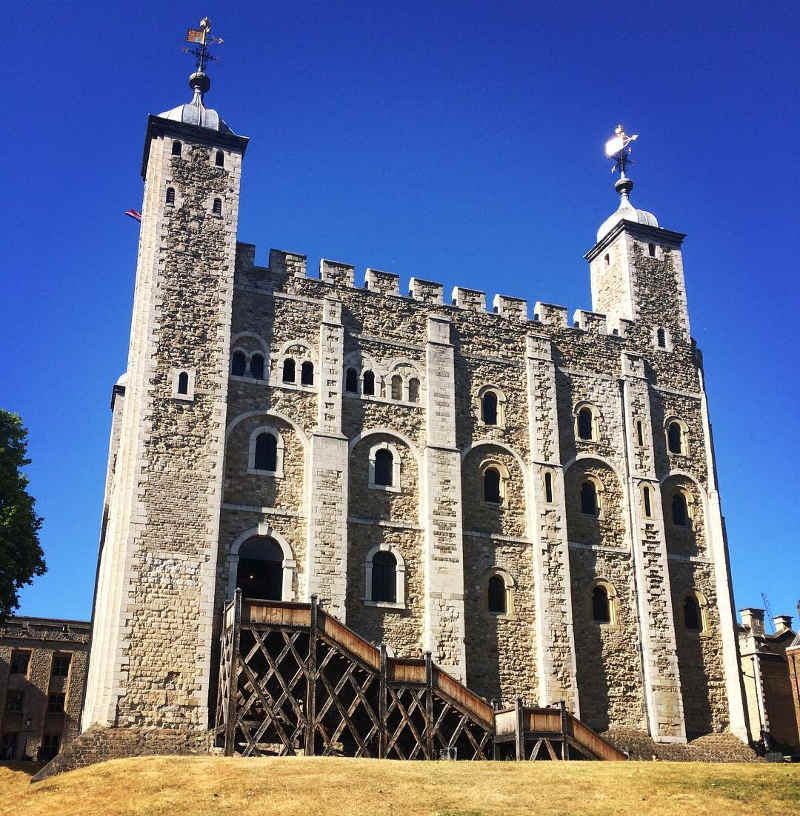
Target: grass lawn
[207, 786]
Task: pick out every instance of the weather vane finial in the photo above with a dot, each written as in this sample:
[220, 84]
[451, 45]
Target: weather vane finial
[201, 36]
[618, 148]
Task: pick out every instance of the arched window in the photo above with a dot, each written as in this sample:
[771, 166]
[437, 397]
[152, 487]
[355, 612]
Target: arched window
[384, 576]
[548, 487]
[651, 248]
[491, 486]
[692, 614]
[257, 366]
[183, 383]
[589, 499]
[585, 423]
[170, 199]
[238, 363]
[288, 370]
[680, 509]
[397, 387]
[307, 373]
[489, 408]
[601, 607]
[369, 383]
[607, 259]
[413, 390]
[646, 496]
[351, 381]
[266, 456]
[260, 571]
[497, 595]
[217, 206]
[219, 159]
[176, 148]
[661, 338]
[384, 467]
[674, 438]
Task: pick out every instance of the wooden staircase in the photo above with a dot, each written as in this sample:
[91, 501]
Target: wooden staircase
[294, 679]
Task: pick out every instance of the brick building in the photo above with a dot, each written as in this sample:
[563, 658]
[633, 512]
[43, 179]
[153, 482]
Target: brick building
[767, 681]
[530, 497]
[43, 664]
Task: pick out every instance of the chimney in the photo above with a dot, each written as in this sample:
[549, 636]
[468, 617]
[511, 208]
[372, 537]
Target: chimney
[753, 619]
[783, 623]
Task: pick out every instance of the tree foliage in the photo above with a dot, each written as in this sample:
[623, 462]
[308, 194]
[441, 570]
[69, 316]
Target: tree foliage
[21, 556]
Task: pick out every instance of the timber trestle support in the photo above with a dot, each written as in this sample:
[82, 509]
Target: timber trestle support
[293, 679]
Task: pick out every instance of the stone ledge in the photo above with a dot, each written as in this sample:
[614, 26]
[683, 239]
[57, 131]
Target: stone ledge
[719, 747]
[100, 743]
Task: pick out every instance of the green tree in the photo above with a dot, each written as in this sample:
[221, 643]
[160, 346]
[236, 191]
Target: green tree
[21, 555]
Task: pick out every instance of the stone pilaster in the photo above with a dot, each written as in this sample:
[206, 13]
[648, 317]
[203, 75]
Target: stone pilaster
[662, 685]
[722, 575]
[326, 552]
[555, 643]
[443, 548]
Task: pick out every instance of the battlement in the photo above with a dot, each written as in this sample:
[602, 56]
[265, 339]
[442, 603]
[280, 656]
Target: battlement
[338, 273]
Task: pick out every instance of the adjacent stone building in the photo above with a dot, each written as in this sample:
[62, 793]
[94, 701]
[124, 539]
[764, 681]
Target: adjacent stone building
[774, 718]
[43, 664]
[531, 497]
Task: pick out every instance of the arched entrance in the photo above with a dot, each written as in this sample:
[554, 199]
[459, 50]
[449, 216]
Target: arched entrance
[260, 570]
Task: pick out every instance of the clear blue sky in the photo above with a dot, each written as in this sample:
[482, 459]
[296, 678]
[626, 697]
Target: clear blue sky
[457, 141]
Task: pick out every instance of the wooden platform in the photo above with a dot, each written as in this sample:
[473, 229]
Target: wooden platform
[294, 679]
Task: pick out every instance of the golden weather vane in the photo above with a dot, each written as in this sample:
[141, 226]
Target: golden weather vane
[201, 36]
[618, 148]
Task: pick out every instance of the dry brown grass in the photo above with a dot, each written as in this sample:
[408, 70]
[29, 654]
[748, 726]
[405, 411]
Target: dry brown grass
[212, 786]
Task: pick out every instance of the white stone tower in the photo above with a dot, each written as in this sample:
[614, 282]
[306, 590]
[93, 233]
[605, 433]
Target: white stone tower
[158, 552]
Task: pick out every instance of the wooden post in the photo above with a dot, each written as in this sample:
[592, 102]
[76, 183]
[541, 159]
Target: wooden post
[382, 703]
[493, 704]
[519, 727]
[311, 679]
[564, 730]
[429, 705]
[233, 677]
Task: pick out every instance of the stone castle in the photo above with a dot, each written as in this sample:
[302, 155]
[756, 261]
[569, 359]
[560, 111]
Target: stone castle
[530, 498]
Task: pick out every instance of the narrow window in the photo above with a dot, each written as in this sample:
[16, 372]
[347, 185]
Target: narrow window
[601, 610]
[661, 338]
[680, 510]
[646, 495]
[674, 438]
[351, 381]
[369, 383]
[491, 485]
[55, 703]
[548, 487]
[692, 614]
[176, 148]
[585, 423]
[639, 433]
[384, 465]
[183, 383]
[307, 373]
[61, 665]
[217, 207]
[266, 457]
[384, 577]
[497, 595]
[220, 159]
[489, 408]
[651, 248]
[413, 390]
[19, 661]
[257, 366]
[288, 370]
[397, 387]
[238, 363]
[170, 196]
[608, 260]
[589, 499]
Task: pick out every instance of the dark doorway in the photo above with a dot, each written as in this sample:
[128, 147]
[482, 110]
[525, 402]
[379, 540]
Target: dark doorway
[260, 572]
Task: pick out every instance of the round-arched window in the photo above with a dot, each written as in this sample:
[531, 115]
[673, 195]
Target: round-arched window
[384, 577]
[260, 570]
[497, 595]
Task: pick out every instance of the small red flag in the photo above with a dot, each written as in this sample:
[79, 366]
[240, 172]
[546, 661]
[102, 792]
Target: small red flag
[134, 214]
[194, 36]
